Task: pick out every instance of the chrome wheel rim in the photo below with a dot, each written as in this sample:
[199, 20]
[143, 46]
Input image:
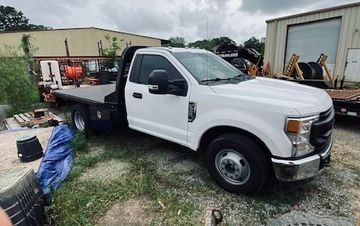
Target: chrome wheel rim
[232, 166]
[79, 121]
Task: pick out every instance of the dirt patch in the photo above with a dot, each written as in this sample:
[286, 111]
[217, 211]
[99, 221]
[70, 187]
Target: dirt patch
[357, 205]
[106, 171]
[130, 212]
[95, 151]
[299, 218]
[9, 158]
[185, 165]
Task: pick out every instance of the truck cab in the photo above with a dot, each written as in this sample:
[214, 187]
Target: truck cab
[249, 128]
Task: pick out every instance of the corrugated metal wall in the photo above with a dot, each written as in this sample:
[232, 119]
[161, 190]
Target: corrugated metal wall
[82, 41]
[276, 34]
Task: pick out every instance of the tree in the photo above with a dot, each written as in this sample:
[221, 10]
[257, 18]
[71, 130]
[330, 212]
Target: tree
[258, 45]
[177, 41]
[13, 20]
[29, 51]
[210, 44]
[17, 88]
[38, 27]
[111, 52]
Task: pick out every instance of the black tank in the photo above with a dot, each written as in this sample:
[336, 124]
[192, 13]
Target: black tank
[21, 197]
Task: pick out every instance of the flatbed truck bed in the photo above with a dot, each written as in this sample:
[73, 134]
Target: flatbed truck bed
[91, 94]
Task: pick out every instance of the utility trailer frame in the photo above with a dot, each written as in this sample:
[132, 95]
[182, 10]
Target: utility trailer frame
[346, 102]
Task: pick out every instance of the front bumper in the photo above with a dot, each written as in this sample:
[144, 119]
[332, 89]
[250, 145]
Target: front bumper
[301, 169]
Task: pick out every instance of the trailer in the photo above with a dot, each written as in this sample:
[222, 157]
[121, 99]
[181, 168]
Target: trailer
[346, 102]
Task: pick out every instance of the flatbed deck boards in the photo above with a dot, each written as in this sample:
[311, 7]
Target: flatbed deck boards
[347, 95]
[93, 94]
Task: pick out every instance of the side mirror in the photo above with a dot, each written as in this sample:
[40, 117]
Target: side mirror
[158, 82]
[177, 87]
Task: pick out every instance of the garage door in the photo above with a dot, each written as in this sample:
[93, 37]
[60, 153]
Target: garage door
[311, 39]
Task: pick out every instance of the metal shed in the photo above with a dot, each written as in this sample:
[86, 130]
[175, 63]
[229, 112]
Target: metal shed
[82, 42]
[333, 31]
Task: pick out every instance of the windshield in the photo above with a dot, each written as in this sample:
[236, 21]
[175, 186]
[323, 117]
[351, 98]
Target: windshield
[207, 67]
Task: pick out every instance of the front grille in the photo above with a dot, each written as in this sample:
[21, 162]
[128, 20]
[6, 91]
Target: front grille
[321, 131]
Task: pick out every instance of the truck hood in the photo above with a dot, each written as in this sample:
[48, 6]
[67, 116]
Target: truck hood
[305, 100]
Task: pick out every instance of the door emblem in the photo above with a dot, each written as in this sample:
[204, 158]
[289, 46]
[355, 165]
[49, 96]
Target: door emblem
[98, 114]
[192, 111]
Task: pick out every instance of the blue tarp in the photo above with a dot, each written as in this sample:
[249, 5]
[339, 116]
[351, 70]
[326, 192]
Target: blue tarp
[58, 159]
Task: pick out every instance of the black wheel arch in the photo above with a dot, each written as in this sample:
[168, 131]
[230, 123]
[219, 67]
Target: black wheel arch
[214, 132]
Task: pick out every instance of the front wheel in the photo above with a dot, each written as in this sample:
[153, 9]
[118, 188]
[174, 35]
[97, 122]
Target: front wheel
[237, 163]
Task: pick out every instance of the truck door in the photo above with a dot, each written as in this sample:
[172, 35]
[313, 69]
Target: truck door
[164, 116]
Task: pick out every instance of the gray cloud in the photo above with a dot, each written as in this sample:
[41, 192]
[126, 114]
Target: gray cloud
[272, 6]
[142, 18]
[269, 7]
[192, 19]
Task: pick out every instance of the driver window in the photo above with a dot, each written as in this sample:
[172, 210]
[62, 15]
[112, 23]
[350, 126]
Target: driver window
[153, 62]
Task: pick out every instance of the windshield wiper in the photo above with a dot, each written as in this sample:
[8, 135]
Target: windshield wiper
[238, 76]
[215, 79]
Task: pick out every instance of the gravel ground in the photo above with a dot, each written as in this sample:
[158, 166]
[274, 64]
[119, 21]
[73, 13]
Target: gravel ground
[105, 172]
[186, 189]
[335, 193]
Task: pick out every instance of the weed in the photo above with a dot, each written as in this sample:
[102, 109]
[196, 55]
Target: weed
[79, 143]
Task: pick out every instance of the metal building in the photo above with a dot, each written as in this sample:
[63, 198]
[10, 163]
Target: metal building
[81, 42]
[333, 31]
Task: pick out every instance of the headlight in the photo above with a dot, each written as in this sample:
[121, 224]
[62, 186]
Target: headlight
[298, 130]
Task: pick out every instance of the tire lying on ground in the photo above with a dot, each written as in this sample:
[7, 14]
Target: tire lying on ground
[307, 70]
[318, 71]
[80, 118]
[237, 163]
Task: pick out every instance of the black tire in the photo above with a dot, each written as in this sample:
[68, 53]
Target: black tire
[307, 70]
[254, 156]
[240, 64]
[317, 69]
[83, 112]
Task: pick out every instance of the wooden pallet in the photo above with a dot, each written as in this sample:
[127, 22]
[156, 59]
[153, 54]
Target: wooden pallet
[22, 120]
[28, 120]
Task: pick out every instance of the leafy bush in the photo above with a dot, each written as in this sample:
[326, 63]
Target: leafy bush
[17, 87]
[112, 50]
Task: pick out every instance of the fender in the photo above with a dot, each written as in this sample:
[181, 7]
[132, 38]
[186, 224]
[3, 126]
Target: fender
[277, 143]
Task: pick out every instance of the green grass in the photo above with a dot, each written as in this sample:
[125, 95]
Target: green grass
[185, 195]
[79, 143]
[82, 203]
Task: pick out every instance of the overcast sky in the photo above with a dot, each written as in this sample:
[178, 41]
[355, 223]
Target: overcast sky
[192, 19]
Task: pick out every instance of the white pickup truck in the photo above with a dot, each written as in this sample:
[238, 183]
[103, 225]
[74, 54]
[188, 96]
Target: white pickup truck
[250, 129]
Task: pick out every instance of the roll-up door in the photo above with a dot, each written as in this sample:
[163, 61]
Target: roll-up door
[311, 39]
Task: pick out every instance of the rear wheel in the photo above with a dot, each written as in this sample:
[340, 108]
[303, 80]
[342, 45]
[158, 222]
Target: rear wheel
[80, 118]
[237, 163]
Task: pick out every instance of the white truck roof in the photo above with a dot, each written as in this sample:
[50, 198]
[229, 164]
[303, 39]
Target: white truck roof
[173, 49]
